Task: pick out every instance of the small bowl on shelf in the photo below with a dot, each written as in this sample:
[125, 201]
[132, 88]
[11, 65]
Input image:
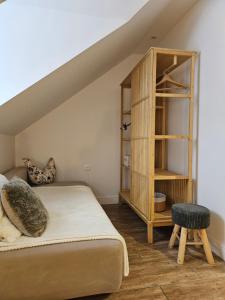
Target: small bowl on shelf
[160, 202]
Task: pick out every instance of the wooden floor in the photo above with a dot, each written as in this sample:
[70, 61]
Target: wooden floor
[154, 273]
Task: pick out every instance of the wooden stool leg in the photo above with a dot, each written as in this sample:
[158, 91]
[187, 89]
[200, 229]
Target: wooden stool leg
[174, 235]
[150, 233]
[196, 238]
[182, 246]
[206, 246]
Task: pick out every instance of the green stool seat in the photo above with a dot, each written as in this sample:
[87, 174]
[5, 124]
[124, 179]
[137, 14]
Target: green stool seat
[191, 216]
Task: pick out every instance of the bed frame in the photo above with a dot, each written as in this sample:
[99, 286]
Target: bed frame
[62, 271]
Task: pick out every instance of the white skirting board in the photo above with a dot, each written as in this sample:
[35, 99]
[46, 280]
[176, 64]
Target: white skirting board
[113, 199]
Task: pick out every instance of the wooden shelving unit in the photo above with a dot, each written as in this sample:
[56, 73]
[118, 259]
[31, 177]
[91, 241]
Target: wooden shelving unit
[149, 136]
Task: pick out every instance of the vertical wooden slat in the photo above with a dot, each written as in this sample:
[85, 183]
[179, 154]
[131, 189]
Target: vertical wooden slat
[152, 118]
[164, 112]
[121, 139]
[152, 131]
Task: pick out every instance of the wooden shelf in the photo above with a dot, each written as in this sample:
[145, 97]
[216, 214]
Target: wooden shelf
[161, 174]
[167, 214]
[126, 140]
[171, 89]
[125, 195]
[171, 137]
[128, 112]
[174, 95]
[163, 218]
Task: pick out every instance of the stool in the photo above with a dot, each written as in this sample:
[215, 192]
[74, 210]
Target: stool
[193, 220]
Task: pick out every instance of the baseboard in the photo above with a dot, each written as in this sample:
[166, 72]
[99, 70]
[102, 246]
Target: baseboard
[114, 199]
[217, 248]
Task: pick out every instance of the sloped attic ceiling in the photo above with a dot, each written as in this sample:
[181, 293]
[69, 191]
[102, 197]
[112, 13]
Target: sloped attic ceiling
[156, 18]
[39, 36]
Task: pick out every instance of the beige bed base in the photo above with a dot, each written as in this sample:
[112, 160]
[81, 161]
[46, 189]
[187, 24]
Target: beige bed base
[62, 271]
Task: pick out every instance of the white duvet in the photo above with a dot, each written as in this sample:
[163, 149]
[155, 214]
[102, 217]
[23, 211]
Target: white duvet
[74, 215]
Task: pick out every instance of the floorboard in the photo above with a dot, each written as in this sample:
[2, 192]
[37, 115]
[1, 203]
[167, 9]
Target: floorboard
[154, 273]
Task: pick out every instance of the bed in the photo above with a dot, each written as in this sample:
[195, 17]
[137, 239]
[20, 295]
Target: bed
[66, 268]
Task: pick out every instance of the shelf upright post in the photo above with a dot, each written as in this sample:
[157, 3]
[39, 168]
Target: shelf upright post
[152, 118]
[121, 140]
[190, 141]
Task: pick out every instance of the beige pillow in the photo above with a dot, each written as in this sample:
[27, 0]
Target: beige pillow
[8, 232]
[3, 180]
[24, 208]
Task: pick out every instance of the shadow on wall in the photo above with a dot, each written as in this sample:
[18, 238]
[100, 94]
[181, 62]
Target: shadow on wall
[196, 124]
[217, 237]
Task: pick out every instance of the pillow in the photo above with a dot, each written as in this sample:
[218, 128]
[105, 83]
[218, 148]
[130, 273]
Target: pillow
[24, 208]
[40, 176]
[8, 232]
[3, 180]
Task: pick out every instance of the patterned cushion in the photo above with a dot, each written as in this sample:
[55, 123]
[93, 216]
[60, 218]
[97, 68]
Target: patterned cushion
[24, 208]
[40, 176]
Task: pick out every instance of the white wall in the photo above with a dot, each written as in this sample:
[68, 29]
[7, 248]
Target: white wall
[39, 36]
[84, 131]
[6, 152]
[203, 29]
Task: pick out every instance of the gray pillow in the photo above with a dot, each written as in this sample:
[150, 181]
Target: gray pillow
[24, 208]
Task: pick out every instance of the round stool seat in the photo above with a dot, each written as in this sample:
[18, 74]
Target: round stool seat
[191, 216]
